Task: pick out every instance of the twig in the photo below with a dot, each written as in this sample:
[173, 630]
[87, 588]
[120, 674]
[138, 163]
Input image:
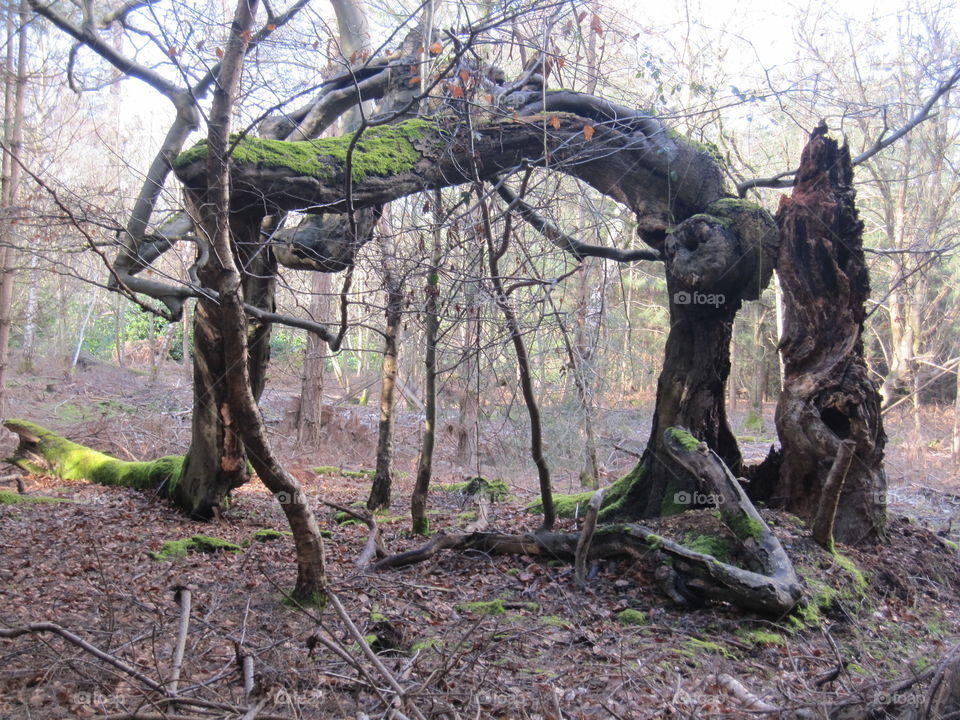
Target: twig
[371, 656]
[42, 627]
[184, 596]
[830, 496]
[586, 537]
[736, 690]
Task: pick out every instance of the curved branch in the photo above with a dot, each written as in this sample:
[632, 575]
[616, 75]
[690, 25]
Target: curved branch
[568, 243]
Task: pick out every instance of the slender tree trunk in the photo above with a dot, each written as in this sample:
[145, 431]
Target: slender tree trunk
[828, 396]
[380, 491]
[311, 386]
[15, 83]
[418, 501]
[30, 317]
[523, 369]
[240, 410]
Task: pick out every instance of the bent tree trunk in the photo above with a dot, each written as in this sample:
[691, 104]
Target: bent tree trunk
[714, 261]
[828, 397]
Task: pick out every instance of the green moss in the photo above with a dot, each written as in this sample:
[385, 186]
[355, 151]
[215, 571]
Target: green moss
[266, 535]
[196, 543]
[705, 646]
[745, 527]
[718, 547]
[470, 515]
[381, 151]
[490, 607]
[70, 461]
[426, 644]
[8, 497]
[421, 526]
[358, 473]
[325, 470]
[345, 518]
[686, 440]
[726, 205]
[496, 490]
[557, 621]
[762, 637]
[512, 571]
[631, 617]
[316, 600]
[859, 581]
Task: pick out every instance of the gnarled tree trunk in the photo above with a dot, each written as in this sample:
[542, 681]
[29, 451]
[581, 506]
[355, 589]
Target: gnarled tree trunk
[828, 396]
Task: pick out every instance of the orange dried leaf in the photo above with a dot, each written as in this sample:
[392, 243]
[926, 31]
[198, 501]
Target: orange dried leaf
[455, 90]
[436, 48]
[588, 132]
[415, 80]
[555, 122]
[271, 27]
[560, 63]
[219, 53]
[172, 51]
[595, 25]
[246, 35]
[464, 76]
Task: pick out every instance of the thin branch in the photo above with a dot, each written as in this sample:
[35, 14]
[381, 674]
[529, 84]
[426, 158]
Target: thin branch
[882, 142]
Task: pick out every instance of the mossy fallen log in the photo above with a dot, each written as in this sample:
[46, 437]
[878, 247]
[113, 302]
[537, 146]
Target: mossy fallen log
[44, 452]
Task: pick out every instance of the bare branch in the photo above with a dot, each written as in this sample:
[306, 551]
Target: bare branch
[882, 142]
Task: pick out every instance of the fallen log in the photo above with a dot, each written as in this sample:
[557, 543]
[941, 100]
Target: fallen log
[45, 453]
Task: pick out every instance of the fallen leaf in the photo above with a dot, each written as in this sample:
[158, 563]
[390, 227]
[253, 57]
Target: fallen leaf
[588, 132]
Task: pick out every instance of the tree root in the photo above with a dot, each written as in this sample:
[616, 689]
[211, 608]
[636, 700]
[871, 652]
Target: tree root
[769, 586]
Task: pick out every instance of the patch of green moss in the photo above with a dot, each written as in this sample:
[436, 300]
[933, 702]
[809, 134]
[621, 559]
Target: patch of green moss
[859, 581]
[727, 205]
[266, 535]
[686, 440]
[698, 646]
[762, 637]
[345, 518]
[196, 543]
[8, 497]
[358, 473]
[614, 499]
[489, 607]
[316, 600]
[512, 571]
[745, 527]
[496, 490]
[325, 470]
[555, 621]
[467, 516]
[631, 617]
[421, 526]
[718, 547]
[69, 461]
[426, 644]
[381, 151]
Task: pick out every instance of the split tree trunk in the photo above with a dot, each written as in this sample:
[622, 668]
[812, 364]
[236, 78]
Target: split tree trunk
[828, 396]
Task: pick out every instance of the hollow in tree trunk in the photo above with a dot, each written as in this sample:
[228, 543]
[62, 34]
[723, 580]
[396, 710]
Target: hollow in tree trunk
[828, 396]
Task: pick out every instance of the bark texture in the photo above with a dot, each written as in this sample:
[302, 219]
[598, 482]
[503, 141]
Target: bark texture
[828, 396]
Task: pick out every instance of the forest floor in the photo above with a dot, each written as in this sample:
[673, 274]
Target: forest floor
[470, 635]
